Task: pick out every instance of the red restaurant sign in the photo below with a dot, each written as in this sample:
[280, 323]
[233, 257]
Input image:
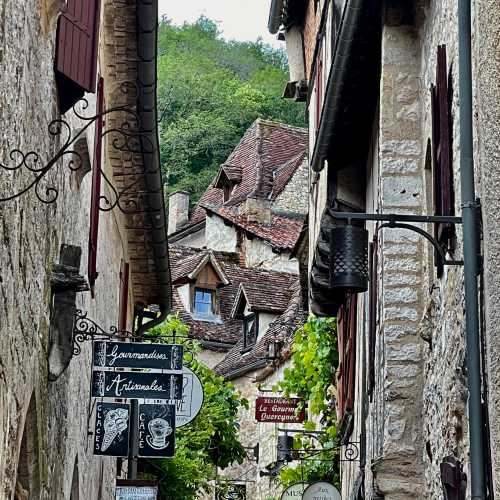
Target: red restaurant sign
[281, 410]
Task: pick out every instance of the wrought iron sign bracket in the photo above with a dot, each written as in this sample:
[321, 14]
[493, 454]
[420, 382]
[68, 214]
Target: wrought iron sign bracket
[402, 221]
[85, 329]
[349, 451]
[125, 137]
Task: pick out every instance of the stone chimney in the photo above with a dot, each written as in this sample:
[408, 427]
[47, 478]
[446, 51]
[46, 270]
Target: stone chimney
[258, 210]
[178, 210]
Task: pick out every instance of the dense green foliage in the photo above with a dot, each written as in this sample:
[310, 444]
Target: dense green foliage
[209, 92]
[208, 440]
[311, 377]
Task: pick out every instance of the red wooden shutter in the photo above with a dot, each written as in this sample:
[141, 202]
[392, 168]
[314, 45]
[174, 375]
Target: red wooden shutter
[96, 189]
[372, 325]
[319, 88]
[77, 42]
[441, 151]
[123, 298]
[346, 333]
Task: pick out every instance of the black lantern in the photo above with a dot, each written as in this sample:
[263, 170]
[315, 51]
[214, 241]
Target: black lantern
[349, 259]
[285, 447]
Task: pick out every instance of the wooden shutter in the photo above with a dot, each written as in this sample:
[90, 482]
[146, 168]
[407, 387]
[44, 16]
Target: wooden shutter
[372, 319]
[346, 333]
[96, 189]
[441, 151]
[77, 42]
[319, 88]
[123, 296]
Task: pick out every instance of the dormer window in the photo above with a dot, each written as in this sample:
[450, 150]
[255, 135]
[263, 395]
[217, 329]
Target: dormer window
[249, 330]
[204, 301]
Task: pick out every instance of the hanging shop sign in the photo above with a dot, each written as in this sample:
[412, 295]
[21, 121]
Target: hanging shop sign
[156, 430]
[132, 489]
[136, 385]
[112, 426]
[137, 355]
[321, 491]
[282, 410]
[187, 408]
[294, 491]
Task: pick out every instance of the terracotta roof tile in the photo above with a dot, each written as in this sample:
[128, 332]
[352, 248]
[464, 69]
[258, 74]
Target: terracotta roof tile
[227, 330]
[281, 330]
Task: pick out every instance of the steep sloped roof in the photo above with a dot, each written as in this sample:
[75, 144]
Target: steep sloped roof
[261, 296]
[226, 330]
[236, 364]
[265, 159]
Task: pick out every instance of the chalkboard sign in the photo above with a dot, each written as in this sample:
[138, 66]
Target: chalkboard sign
[156, 430]
[136, 385]
[137, 355]
[111, 434]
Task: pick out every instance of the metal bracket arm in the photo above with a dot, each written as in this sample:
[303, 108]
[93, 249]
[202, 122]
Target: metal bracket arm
[400, 220]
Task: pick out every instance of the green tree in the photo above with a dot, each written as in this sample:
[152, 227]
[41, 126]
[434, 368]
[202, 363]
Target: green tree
[311, 378]
[209, 92]
[210, 440]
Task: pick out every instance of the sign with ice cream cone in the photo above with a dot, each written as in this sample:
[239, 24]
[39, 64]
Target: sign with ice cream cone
[112, 425]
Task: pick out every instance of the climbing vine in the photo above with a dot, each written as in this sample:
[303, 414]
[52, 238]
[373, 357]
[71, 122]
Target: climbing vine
[311, 378]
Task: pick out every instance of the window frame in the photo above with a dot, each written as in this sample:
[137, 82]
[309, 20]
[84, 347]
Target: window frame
[246, 320]
[212, 294]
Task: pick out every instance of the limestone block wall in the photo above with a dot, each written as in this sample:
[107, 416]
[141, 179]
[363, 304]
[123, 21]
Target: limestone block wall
[57, 414]
[393, 425]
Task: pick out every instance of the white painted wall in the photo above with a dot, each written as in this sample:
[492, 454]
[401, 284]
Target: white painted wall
[219, 236]
[260, 254]
[265, 319]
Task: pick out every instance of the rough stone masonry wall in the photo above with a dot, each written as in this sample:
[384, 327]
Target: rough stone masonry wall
[394, 422]
[30, 236]
[294, 198]
[445, 424]
[487, 63]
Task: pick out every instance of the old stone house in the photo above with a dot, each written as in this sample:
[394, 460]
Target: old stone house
[81, 210]
[390, 129]
[235, 276]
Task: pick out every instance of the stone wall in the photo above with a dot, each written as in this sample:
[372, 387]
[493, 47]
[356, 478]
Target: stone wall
[393, 425]
[55, 416]
[294, 197]
[219, 235]
[258, 253]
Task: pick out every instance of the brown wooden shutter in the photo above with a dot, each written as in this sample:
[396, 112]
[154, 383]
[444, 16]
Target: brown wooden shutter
[96, 189]
[123, 298]
[346, 334]
[441, 151]
[372, 319]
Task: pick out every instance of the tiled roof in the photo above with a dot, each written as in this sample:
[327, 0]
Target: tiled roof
[283, 231]
[261, 296]
[227, 329]
[265, 158]
[235, 363]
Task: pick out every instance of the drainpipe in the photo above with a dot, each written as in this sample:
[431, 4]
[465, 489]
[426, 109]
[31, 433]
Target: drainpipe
[471, 254]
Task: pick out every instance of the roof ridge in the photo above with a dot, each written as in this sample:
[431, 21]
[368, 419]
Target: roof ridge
[274, 123]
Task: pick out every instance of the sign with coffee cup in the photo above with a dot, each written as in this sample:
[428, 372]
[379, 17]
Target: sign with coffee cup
[156, 430]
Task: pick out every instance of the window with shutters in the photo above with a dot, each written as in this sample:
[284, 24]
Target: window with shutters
[123, 296]
[346, 333]
[96, 189]
[76, 51]
[441, 100]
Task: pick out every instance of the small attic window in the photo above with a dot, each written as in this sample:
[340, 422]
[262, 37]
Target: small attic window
[249, 330]
[204, 302]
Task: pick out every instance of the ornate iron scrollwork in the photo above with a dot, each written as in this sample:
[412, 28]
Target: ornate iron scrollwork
[126, 137]
[86, 329]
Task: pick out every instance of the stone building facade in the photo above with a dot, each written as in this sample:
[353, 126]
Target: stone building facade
[237, 247]
[46, 412]
[388, 88]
